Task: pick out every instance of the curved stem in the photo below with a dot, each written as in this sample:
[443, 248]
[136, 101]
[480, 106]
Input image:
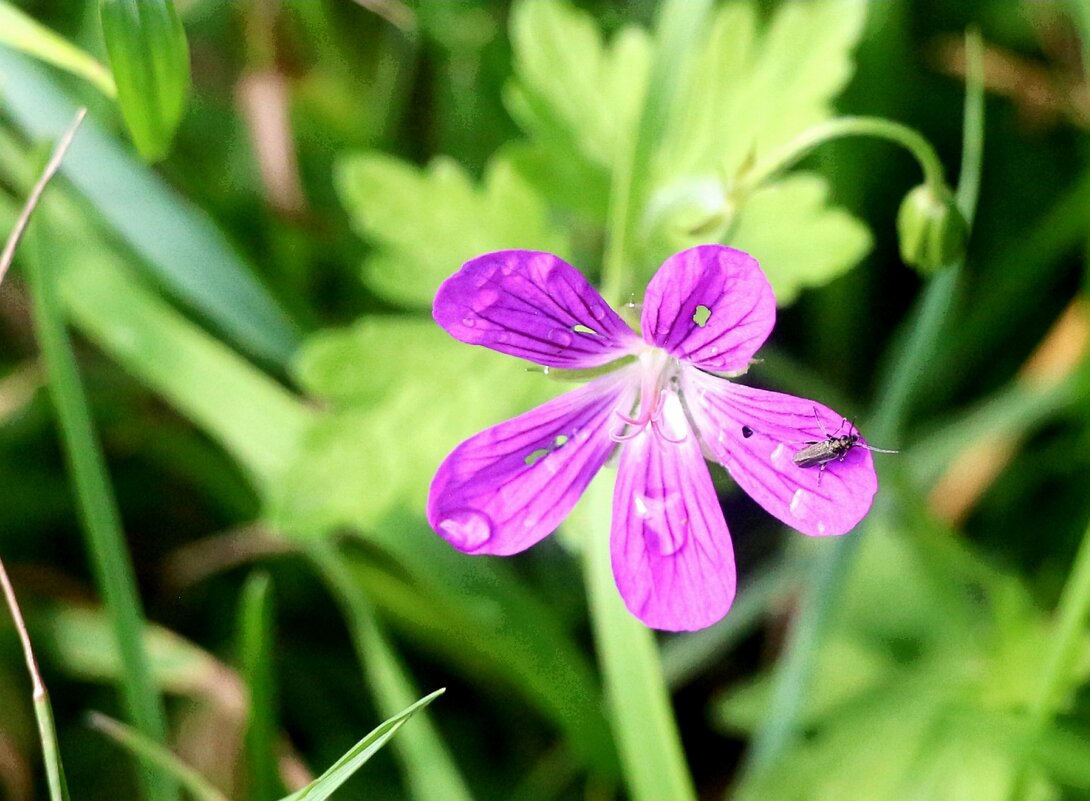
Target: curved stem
[794, 151]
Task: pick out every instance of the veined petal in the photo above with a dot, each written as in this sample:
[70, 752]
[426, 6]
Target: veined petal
[671, 551]
[503, 490]
[755, 434]
[535, 306]
[710, 305]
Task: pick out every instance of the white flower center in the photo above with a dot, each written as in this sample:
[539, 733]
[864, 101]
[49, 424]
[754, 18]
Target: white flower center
[659, 405]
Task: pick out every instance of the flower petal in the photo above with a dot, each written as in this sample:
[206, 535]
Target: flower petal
[532, 305]
[711, 306]
[756, 434]
[506, 488]
[671, 551]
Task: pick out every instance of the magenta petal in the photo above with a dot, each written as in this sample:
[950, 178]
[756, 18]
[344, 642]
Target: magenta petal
[503, 490]
[711, 306]
[755, 434]
[671, 551]
[532, 305]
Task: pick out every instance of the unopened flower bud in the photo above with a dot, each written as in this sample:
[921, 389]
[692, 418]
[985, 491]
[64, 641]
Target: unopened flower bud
[932, 232]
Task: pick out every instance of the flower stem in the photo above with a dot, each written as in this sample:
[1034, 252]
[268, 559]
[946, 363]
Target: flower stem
[788, 155]
[43, 711]
[636, 695]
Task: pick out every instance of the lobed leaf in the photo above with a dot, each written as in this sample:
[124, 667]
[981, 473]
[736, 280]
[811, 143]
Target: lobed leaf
[425, 223]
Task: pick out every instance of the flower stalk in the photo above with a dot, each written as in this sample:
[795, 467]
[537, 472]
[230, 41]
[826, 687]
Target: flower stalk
[791, 153]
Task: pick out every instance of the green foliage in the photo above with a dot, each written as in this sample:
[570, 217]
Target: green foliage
[634, 130]
[427, 222]
[22, 32]
[177, 244]
[149, 56]
[377, 446]
[933, 651]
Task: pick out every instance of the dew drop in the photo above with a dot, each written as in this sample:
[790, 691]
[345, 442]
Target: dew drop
[597, 312]
[776, 454]
[796, 503]
[656, 513]
[560, 337]
[821, 528]
[469, 322]
[485, 299]
[466, 529]
[507, 267]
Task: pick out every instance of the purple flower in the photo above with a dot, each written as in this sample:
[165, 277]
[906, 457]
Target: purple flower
[662, 406]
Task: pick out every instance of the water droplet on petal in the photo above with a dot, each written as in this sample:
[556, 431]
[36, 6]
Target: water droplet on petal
[776, 454]
[796, 506]
[657, 513]
[560, 337]
[597, 311]
[469, 322]
[485, 299]
[503, 336]
[466, 529]
[507, 267]
[821, 528]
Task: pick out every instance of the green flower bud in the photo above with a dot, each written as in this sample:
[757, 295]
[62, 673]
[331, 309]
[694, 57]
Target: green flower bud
[932, 232]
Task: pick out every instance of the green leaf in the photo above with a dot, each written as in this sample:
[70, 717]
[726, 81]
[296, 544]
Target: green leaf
[24, 33]
[326, 784]
[576, 97]
[79, 639]
[823, 243]
[754, 87]
[570, 89]
[425, 223]
[150, 61]
[253, 417]
[406, 394]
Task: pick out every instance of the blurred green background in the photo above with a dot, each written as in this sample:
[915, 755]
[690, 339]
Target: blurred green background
[245, 249]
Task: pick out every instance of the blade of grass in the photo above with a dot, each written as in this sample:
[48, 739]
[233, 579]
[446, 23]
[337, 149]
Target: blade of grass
[256, 657]
[326, 784]
[429, 768]
[24, 33]
[153, 753]
[101, 523]
[647, 737]
[179, 245]
[43, 710]
[794, 675]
